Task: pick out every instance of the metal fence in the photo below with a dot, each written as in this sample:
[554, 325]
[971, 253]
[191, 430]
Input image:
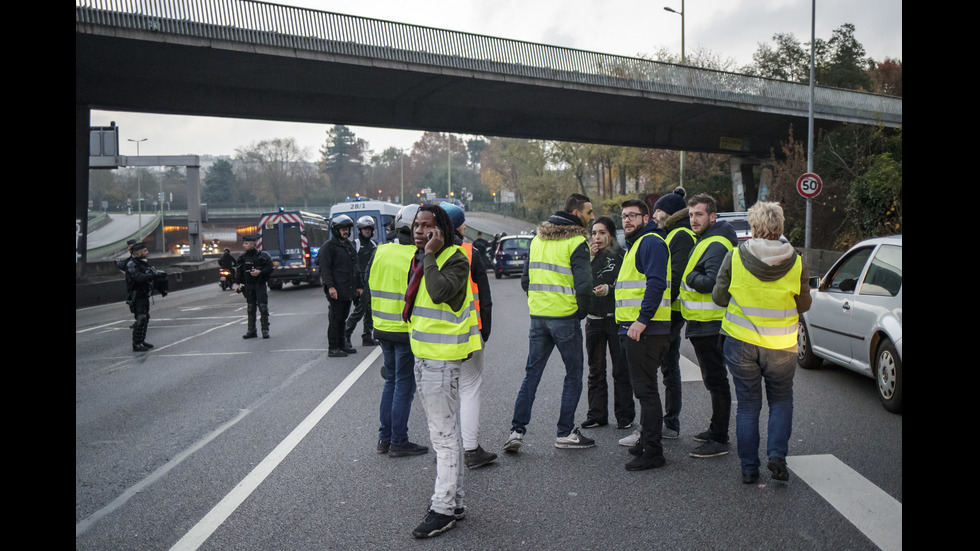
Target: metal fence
[259, 23]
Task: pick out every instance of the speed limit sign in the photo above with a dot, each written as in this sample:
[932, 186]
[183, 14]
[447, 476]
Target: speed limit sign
[809, 185]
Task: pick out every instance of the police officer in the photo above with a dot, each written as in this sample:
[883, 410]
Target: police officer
[341, 280]
[254, 268]
[139, 281]
[365, 247]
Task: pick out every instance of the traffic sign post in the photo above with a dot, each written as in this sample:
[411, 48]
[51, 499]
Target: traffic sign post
[809, 185]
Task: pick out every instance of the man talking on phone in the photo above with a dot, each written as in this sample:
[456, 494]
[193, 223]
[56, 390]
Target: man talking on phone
[444, 332]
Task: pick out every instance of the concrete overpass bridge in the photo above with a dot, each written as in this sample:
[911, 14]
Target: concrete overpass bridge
[244, 59]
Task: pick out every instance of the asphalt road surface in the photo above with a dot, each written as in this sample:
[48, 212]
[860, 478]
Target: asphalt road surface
[214, 442]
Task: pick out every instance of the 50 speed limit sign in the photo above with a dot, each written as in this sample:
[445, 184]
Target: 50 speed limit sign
[809, 185]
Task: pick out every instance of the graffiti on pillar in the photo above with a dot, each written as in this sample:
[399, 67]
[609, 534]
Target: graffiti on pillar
[78, 237]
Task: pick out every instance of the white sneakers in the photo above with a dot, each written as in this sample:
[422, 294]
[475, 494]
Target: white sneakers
[631, 440]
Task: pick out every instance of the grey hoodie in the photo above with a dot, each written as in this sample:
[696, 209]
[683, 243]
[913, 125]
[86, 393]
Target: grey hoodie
[767, 260]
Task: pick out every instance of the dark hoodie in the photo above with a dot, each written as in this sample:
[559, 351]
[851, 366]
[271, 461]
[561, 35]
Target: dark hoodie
[651, 260]
[702, 277]
[767, 260]
[563, 225]
[680, 249]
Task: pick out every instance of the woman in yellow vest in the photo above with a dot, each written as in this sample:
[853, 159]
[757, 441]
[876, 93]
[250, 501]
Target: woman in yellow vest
[444, 331]
[763, 285]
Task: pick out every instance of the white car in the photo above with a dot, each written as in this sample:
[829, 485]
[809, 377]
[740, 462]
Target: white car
[856, 317]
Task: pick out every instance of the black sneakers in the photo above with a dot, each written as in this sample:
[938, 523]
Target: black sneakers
[592, 423]
[408, 448]
[434, 524]
[777, 466]
[383, 446]
[334, 353]
[478, 458]
[710, 449]
[646, 461]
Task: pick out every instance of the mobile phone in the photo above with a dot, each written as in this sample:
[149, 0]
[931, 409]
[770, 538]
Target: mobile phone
[430, 235]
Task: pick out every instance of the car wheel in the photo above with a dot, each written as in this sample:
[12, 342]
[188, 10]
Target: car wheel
[497, 274]
[804, 349]
[888, 375]
[275, 285]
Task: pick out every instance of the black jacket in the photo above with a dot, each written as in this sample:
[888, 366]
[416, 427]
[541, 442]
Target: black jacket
[702, 278]
[605, 270]
[339, 268]
[257, 260]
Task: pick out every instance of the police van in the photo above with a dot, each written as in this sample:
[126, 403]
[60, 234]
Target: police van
[292, 238]
[383, 213]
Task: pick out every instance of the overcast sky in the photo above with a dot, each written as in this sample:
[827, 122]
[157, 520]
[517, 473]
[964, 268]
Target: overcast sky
[728, 28]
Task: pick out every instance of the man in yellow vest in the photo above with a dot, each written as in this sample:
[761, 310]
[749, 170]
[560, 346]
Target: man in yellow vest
[764, 286]
[703, 317]
[388, 272]
[643, 314]
[558, 281]
[444, 332]
[471, 372]
[670, 213]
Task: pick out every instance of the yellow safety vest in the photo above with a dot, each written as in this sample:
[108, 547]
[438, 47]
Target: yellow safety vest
[551, 286]
[388, 281]
[437, 331]
[763, 313]
[631, 285]
[697, 306]
[675, 304]
[468, 249]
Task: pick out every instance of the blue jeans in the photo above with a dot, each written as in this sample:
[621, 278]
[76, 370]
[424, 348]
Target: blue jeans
[750, 365]
[399, 391]
[544, 336]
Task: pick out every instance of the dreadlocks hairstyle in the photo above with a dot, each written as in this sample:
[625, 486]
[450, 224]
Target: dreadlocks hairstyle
[442, 221]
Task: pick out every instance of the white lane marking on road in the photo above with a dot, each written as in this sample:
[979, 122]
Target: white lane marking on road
[690, 371]
[97, 327]
[86, 523]
[207, 525]
[869, 508]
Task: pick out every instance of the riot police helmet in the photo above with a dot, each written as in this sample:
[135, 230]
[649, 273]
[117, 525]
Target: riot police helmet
[365, 221]
[405, 217]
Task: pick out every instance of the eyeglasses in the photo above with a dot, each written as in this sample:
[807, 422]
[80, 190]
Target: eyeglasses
[631, 216]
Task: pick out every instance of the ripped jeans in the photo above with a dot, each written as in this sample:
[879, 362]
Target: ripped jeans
[438, 387]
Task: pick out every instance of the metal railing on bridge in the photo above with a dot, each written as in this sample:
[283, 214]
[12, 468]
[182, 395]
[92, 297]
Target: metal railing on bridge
[259, 23]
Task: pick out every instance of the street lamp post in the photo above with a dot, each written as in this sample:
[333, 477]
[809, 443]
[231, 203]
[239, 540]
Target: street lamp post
[683, 62]
[139, 191]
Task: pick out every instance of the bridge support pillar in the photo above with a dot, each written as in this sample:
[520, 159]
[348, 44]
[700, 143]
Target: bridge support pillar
[745, 190]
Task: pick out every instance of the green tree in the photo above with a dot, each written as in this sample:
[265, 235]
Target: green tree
[839, 62]
[787, 60]
[219, 183]
[846, 65]
[343, 159]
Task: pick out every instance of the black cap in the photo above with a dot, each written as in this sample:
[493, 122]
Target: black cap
[138, 246]
[249, 238]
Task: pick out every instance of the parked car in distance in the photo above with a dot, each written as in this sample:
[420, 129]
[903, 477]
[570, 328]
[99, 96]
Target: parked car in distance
[739, 221]
[856, 317]
[511, 254]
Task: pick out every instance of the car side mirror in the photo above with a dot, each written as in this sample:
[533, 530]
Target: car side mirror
[814, 282]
